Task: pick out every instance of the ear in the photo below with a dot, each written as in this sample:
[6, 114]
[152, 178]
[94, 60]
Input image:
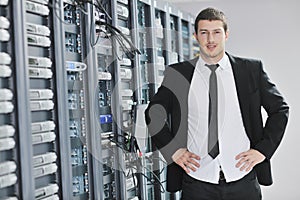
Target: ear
[226, 35]
[195, 35]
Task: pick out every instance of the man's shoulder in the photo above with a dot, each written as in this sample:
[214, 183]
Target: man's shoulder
[184, 67]
[181, 69]
[244, 60]
[184, 63]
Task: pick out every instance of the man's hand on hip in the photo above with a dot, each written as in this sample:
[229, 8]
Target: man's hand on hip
[186, 160]
[248, 159]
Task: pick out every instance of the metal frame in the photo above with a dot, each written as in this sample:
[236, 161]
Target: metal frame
[94, 146]
[62, 111]
[24, 116]
[117, 112]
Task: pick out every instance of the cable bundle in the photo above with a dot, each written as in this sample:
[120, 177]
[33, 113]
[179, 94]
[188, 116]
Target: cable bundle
[111, 32]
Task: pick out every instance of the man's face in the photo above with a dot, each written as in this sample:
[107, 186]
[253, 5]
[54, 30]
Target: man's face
[211, 37]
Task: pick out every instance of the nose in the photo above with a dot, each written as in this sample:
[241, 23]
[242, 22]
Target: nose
[210, 37]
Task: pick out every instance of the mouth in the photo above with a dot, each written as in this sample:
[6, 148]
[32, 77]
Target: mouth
[211, 47]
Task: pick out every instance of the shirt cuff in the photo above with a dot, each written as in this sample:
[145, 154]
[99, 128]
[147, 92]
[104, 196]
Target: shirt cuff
[178, 153]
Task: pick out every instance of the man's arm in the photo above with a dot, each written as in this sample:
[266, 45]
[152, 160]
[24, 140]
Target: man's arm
[277, 110]
[157, 118]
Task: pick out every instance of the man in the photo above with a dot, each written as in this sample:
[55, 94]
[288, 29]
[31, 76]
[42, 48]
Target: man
[206, 120]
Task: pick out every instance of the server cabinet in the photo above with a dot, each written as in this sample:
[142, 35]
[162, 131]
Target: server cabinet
[42, 98]
[174, 28]
[108, 152]
[81, 83]
[128, 81]
[117, 83]
[76, 77]
[10, 131]
[108, 103]
[161, 41]
[145, 35]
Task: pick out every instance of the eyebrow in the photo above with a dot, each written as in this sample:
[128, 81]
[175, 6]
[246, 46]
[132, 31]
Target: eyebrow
[218, 29]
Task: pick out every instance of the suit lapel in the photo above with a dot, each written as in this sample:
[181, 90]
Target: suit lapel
[194, 61]
[189, 71]
[241, 77]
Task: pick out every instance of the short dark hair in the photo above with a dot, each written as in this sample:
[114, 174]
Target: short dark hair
[211, 14]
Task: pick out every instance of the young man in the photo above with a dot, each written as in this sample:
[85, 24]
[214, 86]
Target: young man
[206, 120]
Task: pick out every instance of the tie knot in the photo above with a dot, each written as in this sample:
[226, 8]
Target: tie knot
[212, 67]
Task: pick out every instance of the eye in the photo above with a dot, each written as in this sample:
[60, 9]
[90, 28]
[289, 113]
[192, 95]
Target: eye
[203, 32]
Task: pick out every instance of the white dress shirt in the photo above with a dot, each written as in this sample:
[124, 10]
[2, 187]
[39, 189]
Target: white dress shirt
[232, 135]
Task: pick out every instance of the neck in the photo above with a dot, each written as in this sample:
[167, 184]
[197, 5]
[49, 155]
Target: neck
[212, 60]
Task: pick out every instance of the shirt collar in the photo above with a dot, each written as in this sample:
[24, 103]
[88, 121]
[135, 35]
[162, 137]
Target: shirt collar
[224, 63]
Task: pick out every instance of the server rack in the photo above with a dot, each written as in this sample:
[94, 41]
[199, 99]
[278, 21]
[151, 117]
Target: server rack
[108, 100]
[81, 83]
[174, 28]
[78, 96]
[124, 80]
[117, 82]
[130, 96]
[104, 95]
[42, 99]
[161, 40]
[62, 122]
[145, 71]
[10, 130]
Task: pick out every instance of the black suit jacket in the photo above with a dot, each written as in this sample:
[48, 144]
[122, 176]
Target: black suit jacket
[167, 114]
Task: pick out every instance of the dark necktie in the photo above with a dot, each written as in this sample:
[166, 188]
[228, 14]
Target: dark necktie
[213, 143]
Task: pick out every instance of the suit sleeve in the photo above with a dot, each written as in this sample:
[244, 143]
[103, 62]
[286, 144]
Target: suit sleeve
[277, 110]
[157, 117]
